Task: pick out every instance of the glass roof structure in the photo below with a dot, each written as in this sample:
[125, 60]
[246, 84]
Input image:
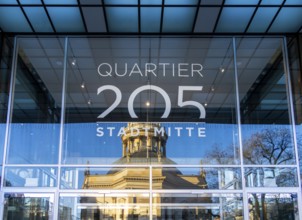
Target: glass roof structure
[151, 16]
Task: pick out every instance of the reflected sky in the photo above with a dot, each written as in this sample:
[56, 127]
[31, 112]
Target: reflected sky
[83, 142]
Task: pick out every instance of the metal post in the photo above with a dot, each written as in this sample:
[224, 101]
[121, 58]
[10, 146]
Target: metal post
[61, 143]
[292, 115]
[9, 116]
[244, 197]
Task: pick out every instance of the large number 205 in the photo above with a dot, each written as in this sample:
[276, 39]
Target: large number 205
[180, 102]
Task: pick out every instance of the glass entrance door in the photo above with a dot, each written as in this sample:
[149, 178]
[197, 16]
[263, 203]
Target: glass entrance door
[28, 206]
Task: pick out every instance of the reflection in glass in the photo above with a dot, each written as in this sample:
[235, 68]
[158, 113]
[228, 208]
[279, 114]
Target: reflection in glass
[179, 67]
[35, 123]
[266, 130]
[196, 178]
[29, 206]
[30, 177]
[273, 206]
[197, 206]
[5, 64]
[104, 206]
[105, 178]
[271, 177]
[295, 70]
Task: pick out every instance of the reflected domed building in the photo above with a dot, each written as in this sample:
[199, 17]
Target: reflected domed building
[142, 144]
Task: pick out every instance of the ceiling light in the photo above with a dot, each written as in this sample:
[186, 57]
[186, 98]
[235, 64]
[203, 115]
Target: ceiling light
[73, 62]
[147, 103]
[222, 70]
[83, 85]
[212, 89]
[205, 104]
[89, 102]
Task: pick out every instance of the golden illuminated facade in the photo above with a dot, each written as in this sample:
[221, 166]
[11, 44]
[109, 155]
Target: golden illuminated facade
[142, 144]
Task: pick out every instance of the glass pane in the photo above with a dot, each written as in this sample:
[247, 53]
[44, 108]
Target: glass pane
[211, 2]
[66, 19]
[60, 2]
[181, 2]
[29, 206]
[178, 19]
[234, 15]
[273, 206]
[266, 128]
[262, 19]
[271, 177]
[5, 71]
[30, 177]
[91, 2]
[38, 18]
[294, 51]
[197, 206]
[120, 2]
[285, 23]
[35, 125]
[105, 178]
[271, 2]
[91, 14]
[293, 2]
[122, 19]
[31, 2]
[240, 2]
[196, 178]
[151, 2]
[104, 206]
[206, 19]
[181, 70]
[150, 19]
[8, 2]
[18, 24]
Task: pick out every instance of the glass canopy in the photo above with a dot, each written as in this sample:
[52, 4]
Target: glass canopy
[146, 16]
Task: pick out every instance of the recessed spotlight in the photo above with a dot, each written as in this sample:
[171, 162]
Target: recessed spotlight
[73, 62]
[89, 102]
[83, 85]
[222, 70]
[205, 104]
[212, 89]
[147, 103]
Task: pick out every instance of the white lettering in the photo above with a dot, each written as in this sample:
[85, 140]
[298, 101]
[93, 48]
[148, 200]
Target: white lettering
[160, 131]
[121, 132]
[197, 70]
[181, 70]
[132, 133]
[108, 73]
[201, 132]
[136, 71]
[178, 130]
[110, 130]
[115, 70]
[149, 70]
[189, 130]
[99, 132]
[146, 131]
[175, 70]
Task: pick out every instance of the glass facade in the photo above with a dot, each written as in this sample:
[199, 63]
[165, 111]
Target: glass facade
[151, 128]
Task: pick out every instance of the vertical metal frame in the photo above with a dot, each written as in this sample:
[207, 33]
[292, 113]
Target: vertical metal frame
[244, 195]
[61, 140]
[150, 193]
[9, 117]
[292, 116]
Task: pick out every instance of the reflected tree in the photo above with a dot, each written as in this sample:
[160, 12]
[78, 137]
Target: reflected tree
[269, 147]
